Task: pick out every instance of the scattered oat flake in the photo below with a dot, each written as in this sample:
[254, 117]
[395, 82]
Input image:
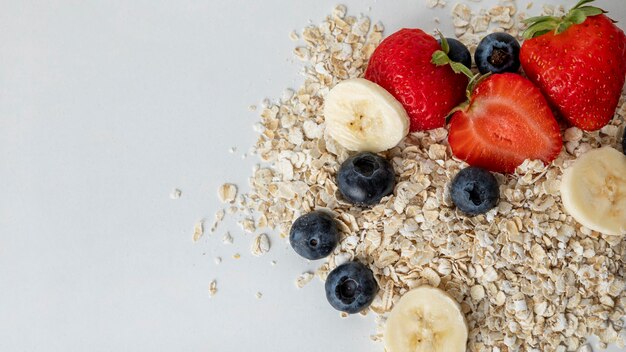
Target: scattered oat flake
[176, 193]
[228, 238]
[212, 288]
[227, 193]
[260, 245]
[304, 279]
[236, 256]
[294, 36]
[247, 225]
[198, 230]
[219, 217]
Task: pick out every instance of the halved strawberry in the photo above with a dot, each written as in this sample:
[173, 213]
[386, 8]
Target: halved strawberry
[506, 122]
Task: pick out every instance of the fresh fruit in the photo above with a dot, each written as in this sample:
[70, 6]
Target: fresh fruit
[426, 319]
[497, 53]
[314, 235]
[351, 287]
[624, 144]
[401, 64]
[506, 122]
[365, 178]
[474, 190]
[362, 116]
[593, 191]
[579, 63]
[458, 52]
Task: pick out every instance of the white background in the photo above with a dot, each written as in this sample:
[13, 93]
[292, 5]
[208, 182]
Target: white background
[105, 107]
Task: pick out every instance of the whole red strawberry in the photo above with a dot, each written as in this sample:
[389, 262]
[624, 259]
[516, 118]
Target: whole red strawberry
[506, 122]
[402, 65]
[579, 63]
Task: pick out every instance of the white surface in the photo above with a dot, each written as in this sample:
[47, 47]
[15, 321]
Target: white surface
[105, 107]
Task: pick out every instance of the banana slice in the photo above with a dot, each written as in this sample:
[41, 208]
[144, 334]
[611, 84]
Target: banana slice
[593, 191]
[426, 319]
[362, 116]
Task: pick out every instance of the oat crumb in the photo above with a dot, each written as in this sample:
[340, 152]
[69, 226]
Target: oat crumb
[176, 193]
[212, 288]
[227, 193]
[260, 245]
[304, 279]
[198, 230]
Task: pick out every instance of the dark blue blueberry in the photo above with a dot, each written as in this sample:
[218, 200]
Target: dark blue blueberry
[497, 53]
[365, 178]
[474, 190]
[351, 287]
[458, 52]
[314, 235]
[624, 144]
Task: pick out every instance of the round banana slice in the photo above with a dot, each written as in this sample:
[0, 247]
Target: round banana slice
[593, 191]
[362, 116]
[426, 319]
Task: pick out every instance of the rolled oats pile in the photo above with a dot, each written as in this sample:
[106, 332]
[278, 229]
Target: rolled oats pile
[528, 277]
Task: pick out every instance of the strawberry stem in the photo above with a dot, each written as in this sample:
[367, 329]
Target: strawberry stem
[444, 43]
[544, 24]
[441, 58]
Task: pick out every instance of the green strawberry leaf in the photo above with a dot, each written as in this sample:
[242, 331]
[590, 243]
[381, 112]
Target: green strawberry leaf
[582, 2]
[563, 26]
[540, 33]
[591, 11]
[540, 28]
[543, 24]
[537, 19]
[440, 58]
[577, 16]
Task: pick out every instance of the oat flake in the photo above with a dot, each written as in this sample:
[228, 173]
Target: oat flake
[260, 245]
[227, 192]
[198, 230]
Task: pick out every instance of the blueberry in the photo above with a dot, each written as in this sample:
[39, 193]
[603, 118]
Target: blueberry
[497, 53]
[314, 235]
[624, 144]
[351, 287]
[458, 52]
[475, 191]
[365, 178]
